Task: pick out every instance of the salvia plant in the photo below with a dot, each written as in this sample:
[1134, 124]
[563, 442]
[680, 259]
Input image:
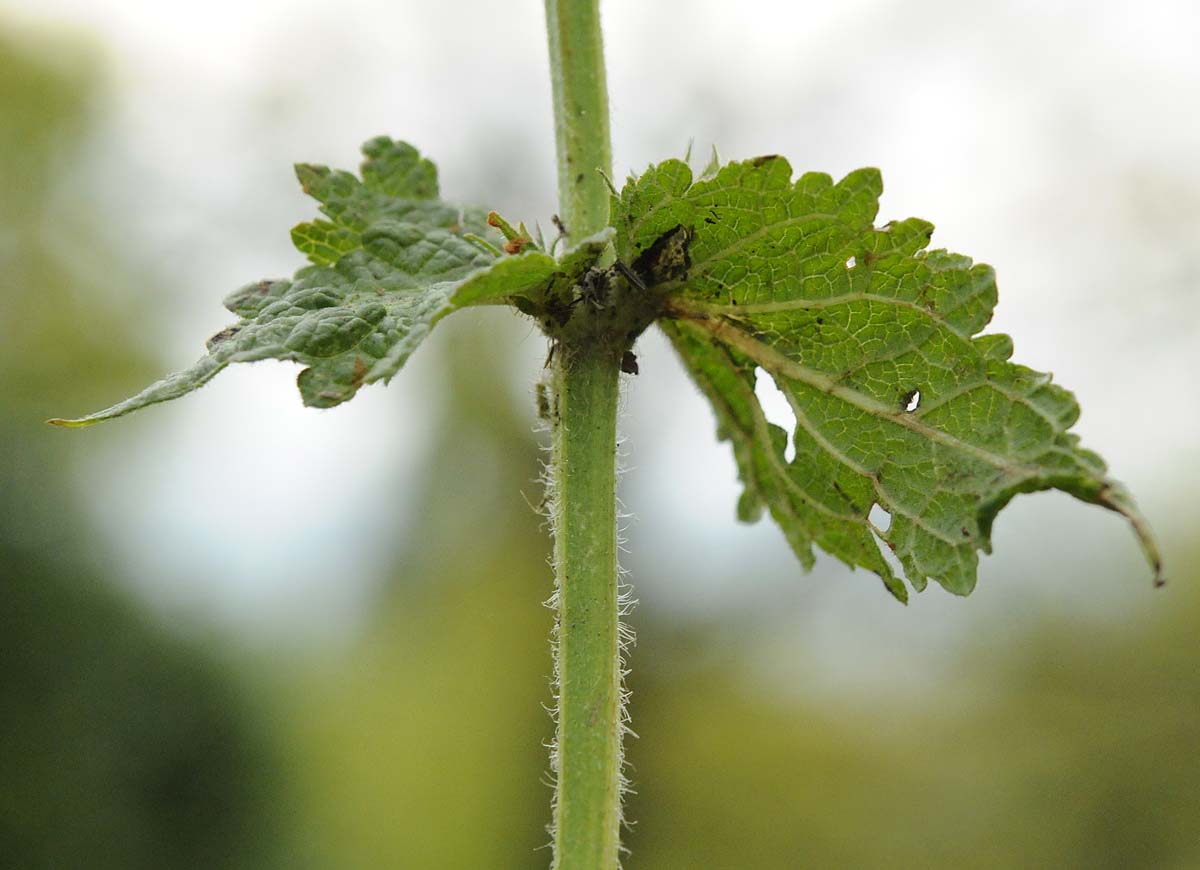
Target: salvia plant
[872, 337]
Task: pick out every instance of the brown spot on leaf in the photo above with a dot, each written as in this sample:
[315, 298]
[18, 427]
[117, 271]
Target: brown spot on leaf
[668, 258]
[224, 335]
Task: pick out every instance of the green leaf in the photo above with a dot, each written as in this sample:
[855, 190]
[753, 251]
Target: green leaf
[397, 184]
[389, 264]
[874, 342]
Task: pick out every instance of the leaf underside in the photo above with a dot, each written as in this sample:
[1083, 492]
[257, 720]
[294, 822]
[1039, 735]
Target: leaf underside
[388, 261]
[900, 403]
[873, 340]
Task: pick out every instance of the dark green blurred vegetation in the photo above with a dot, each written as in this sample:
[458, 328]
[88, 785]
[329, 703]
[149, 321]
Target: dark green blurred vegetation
[120, 746]
[1073, 749]
[421, 744]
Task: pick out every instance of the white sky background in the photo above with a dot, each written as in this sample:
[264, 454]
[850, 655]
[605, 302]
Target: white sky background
[1056, 141]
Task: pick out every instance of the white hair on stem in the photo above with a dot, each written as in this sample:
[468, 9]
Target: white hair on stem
[545, 402]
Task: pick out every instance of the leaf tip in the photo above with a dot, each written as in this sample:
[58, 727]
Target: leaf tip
[1114, 497]
[305, 174]
[1151, 549]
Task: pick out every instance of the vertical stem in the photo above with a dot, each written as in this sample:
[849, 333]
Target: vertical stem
[587, 801]
[587, 811]
[580, 113]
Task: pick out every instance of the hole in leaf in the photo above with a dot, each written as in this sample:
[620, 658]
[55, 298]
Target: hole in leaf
[910, 401]
[881, 524]
[776, 408]
[880, 518]
[850, 264]
[886, 553]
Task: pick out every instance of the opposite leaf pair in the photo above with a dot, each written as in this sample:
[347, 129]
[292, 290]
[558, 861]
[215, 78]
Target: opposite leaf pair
[745, 270]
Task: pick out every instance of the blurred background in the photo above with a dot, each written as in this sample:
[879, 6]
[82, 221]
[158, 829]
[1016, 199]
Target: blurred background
[238, 633]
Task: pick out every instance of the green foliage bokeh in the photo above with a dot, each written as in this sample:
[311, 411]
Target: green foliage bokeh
[420, 744]
[120, 745]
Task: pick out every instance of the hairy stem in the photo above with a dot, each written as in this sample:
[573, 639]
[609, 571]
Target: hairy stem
[587, 755]
[587, 810]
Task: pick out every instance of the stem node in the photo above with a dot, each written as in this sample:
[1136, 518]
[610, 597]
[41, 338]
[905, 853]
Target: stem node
[590, 722]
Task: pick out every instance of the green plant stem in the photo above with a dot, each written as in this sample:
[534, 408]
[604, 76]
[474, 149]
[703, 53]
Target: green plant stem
[587, 812]
[580, 114]
[587, 762]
